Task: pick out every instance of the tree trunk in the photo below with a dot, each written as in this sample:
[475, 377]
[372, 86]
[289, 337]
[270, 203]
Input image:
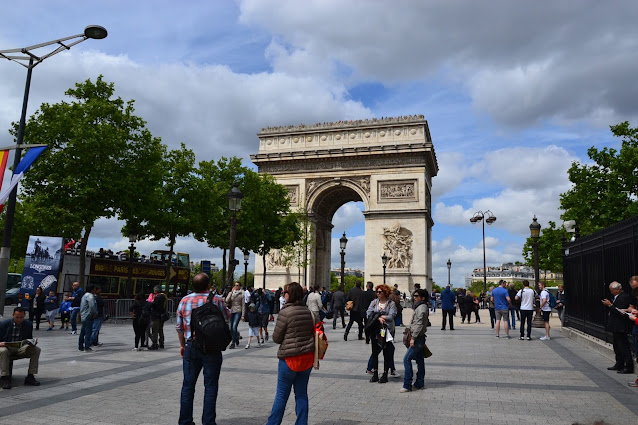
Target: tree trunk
[263, 258]
[85, 238]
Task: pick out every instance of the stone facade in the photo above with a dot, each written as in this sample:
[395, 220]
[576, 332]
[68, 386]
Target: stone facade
[386, 163]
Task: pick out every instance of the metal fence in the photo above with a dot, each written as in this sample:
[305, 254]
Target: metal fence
[590, 264]
[118, 310]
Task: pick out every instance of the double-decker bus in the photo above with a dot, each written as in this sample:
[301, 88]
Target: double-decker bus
[111, 273]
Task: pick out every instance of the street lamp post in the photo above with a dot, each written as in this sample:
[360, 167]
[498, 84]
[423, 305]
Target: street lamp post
[246, 257]
[535, 232]
[15, 266]
[489, 218]
[449, 267]
[342, 244]
[132, 238]
[25, 57]
[234, 204]
[384, 260]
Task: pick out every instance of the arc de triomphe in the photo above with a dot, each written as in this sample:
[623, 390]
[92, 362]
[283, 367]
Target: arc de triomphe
[386, 163]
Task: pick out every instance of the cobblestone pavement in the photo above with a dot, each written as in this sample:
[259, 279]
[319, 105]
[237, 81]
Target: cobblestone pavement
[472, 378]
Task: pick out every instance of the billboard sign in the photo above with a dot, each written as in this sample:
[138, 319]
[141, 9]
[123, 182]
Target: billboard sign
[42, 264]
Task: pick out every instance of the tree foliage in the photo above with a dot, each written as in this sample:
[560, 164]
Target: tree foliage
[550, 255]
[102, 161]
[605, 192]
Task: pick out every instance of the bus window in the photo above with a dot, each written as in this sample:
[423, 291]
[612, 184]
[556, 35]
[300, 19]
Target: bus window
[183, 260]
[108, 284]
[14, 280]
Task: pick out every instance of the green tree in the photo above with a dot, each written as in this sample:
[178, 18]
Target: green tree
[169, 212]
[605, 192]
[266, 222]
[550, 255]
[297, 254]
[101, 161]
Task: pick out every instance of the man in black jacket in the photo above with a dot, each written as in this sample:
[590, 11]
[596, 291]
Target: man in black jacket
[367, 297]
[158, 308]
[13, 345]
[618, 324]
[356, 313]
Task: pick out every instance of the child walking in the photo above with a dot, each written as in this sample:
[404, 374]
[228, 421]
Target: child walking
[252, 317]
[51, 308]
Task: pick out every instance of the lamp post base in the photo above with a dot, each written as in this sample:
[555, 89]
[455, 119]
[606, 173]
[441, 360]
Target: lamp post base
[537, 321]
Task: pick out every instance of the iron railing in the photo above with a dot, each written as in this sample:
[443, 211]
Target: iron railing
[590, 264]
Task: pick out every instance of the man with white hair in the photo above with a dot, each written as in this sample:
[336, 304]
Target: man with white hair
[619, 326]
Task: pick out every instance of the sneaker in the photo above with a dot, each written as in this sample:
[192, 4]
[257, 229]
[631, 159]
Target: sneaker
[405, 390]
[416, 388]
[232, 346]
[247, 346]
[50, 329]
[67, 328]
[262, 341]
[266, 337]
[259, 344]
[395, 374]
[88, 350]
[496, 336]
[61, 327]
[633, 384]
[521, 338]
[72, 332]
[370, 372]
[544, 338]
[508, 337]
[529, 338]
[136, 349]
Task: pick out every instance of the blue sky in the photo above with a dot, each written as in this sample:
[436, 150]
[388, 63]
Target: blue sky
[513, 91]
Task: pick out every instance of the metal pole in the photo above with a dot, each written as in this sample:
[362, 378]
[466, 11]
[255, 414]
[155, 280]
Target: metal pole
[343, 265]
[484, 264]
[231, 253]
[536, 265]
[5, 251]
[448, 276]
[131, 250]
[384, 266]
[245, 274]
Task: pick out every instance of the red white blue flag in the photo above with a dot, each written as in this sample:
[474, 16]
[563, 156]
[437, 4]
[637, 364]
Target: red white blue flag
[31, 155]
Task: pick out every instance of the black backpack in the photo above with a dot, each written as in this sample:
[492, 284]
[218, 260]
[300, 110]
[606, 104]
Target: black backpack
[209, 330]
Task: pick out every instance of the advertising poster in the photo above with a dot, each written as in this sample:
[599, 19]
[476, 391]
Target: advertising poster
[42, 264]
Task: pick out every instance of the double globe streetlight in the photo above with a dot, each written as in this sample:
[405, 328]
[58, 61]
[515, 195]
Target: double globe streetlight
[489, 218]
[25, 57]
[535, 234]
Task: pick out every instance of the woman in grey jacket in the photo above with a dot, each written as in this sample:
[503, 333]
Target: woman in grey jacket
[381, 314]
[418, 328]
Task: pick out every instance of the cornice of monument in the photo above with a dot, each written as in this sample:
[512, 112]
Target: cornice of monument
[343, 125]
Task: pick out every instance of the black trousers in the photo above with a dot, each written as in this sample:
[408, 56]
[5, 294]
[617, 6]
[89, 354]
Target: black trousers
[387, 354]
[526, 317]
[355, 316]
[622, 350]
[447, 313]
[139, 328]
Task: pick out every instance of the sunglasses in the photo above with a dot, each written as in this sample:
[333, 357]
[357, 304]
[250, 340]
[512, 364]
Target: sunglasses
[416, 296]
[379, 292]
[284, 292]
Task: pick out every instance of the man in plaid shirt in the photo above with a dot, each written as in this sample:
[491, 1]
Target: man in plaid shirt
[193, 359]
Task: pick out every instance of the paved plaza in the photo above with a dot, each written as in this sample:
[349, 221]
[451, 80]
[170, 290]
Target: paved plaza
[471, 378]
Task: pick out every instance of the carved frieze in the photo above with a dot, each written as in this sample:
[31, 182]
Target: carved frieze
[293, 195]
[397, 190]
[274, 258]
[343, 124]
[398, 246]
[342, 164]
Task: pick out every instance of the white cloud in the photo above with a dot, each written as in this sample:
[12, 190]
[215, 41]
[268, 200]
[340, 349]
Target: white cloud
[347, 216]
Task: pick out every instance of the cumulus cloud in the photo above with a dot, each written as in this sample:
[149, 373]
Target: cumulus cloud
[347, 216]
[539, 69]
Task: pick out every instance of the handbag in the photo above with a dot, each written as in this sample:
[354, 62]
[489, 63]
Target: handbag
[321, 344]
[165, 316]
[407, 336]
[426, 351]
[349, 305]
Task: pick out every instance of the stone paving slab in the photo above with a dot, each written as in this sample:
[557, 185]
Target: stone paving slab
[472, 378]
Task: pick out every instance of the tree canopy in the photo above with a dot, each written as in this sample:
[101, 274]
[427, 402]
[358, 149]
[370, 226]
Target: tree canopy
[101, 161]
[604, 192]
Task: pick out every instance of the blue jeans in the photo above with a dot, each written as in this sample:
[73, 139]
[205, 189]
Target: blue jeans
[513, 316]
[192, 364]
[74, 319]
[85, 334]
[414, 353]
[97, 325]
[234, 322]
[286, 379]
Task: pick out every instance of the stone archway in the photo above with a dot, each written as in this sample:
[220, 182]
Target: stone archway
[387, 163]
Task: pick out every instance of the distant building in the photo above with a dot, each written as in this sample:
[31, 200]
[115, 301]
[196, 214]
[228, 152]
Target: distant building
[347, 272]
[512, 273]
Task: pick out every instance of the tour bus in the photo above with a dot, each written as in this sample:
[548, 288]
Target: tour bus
[111, 273]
